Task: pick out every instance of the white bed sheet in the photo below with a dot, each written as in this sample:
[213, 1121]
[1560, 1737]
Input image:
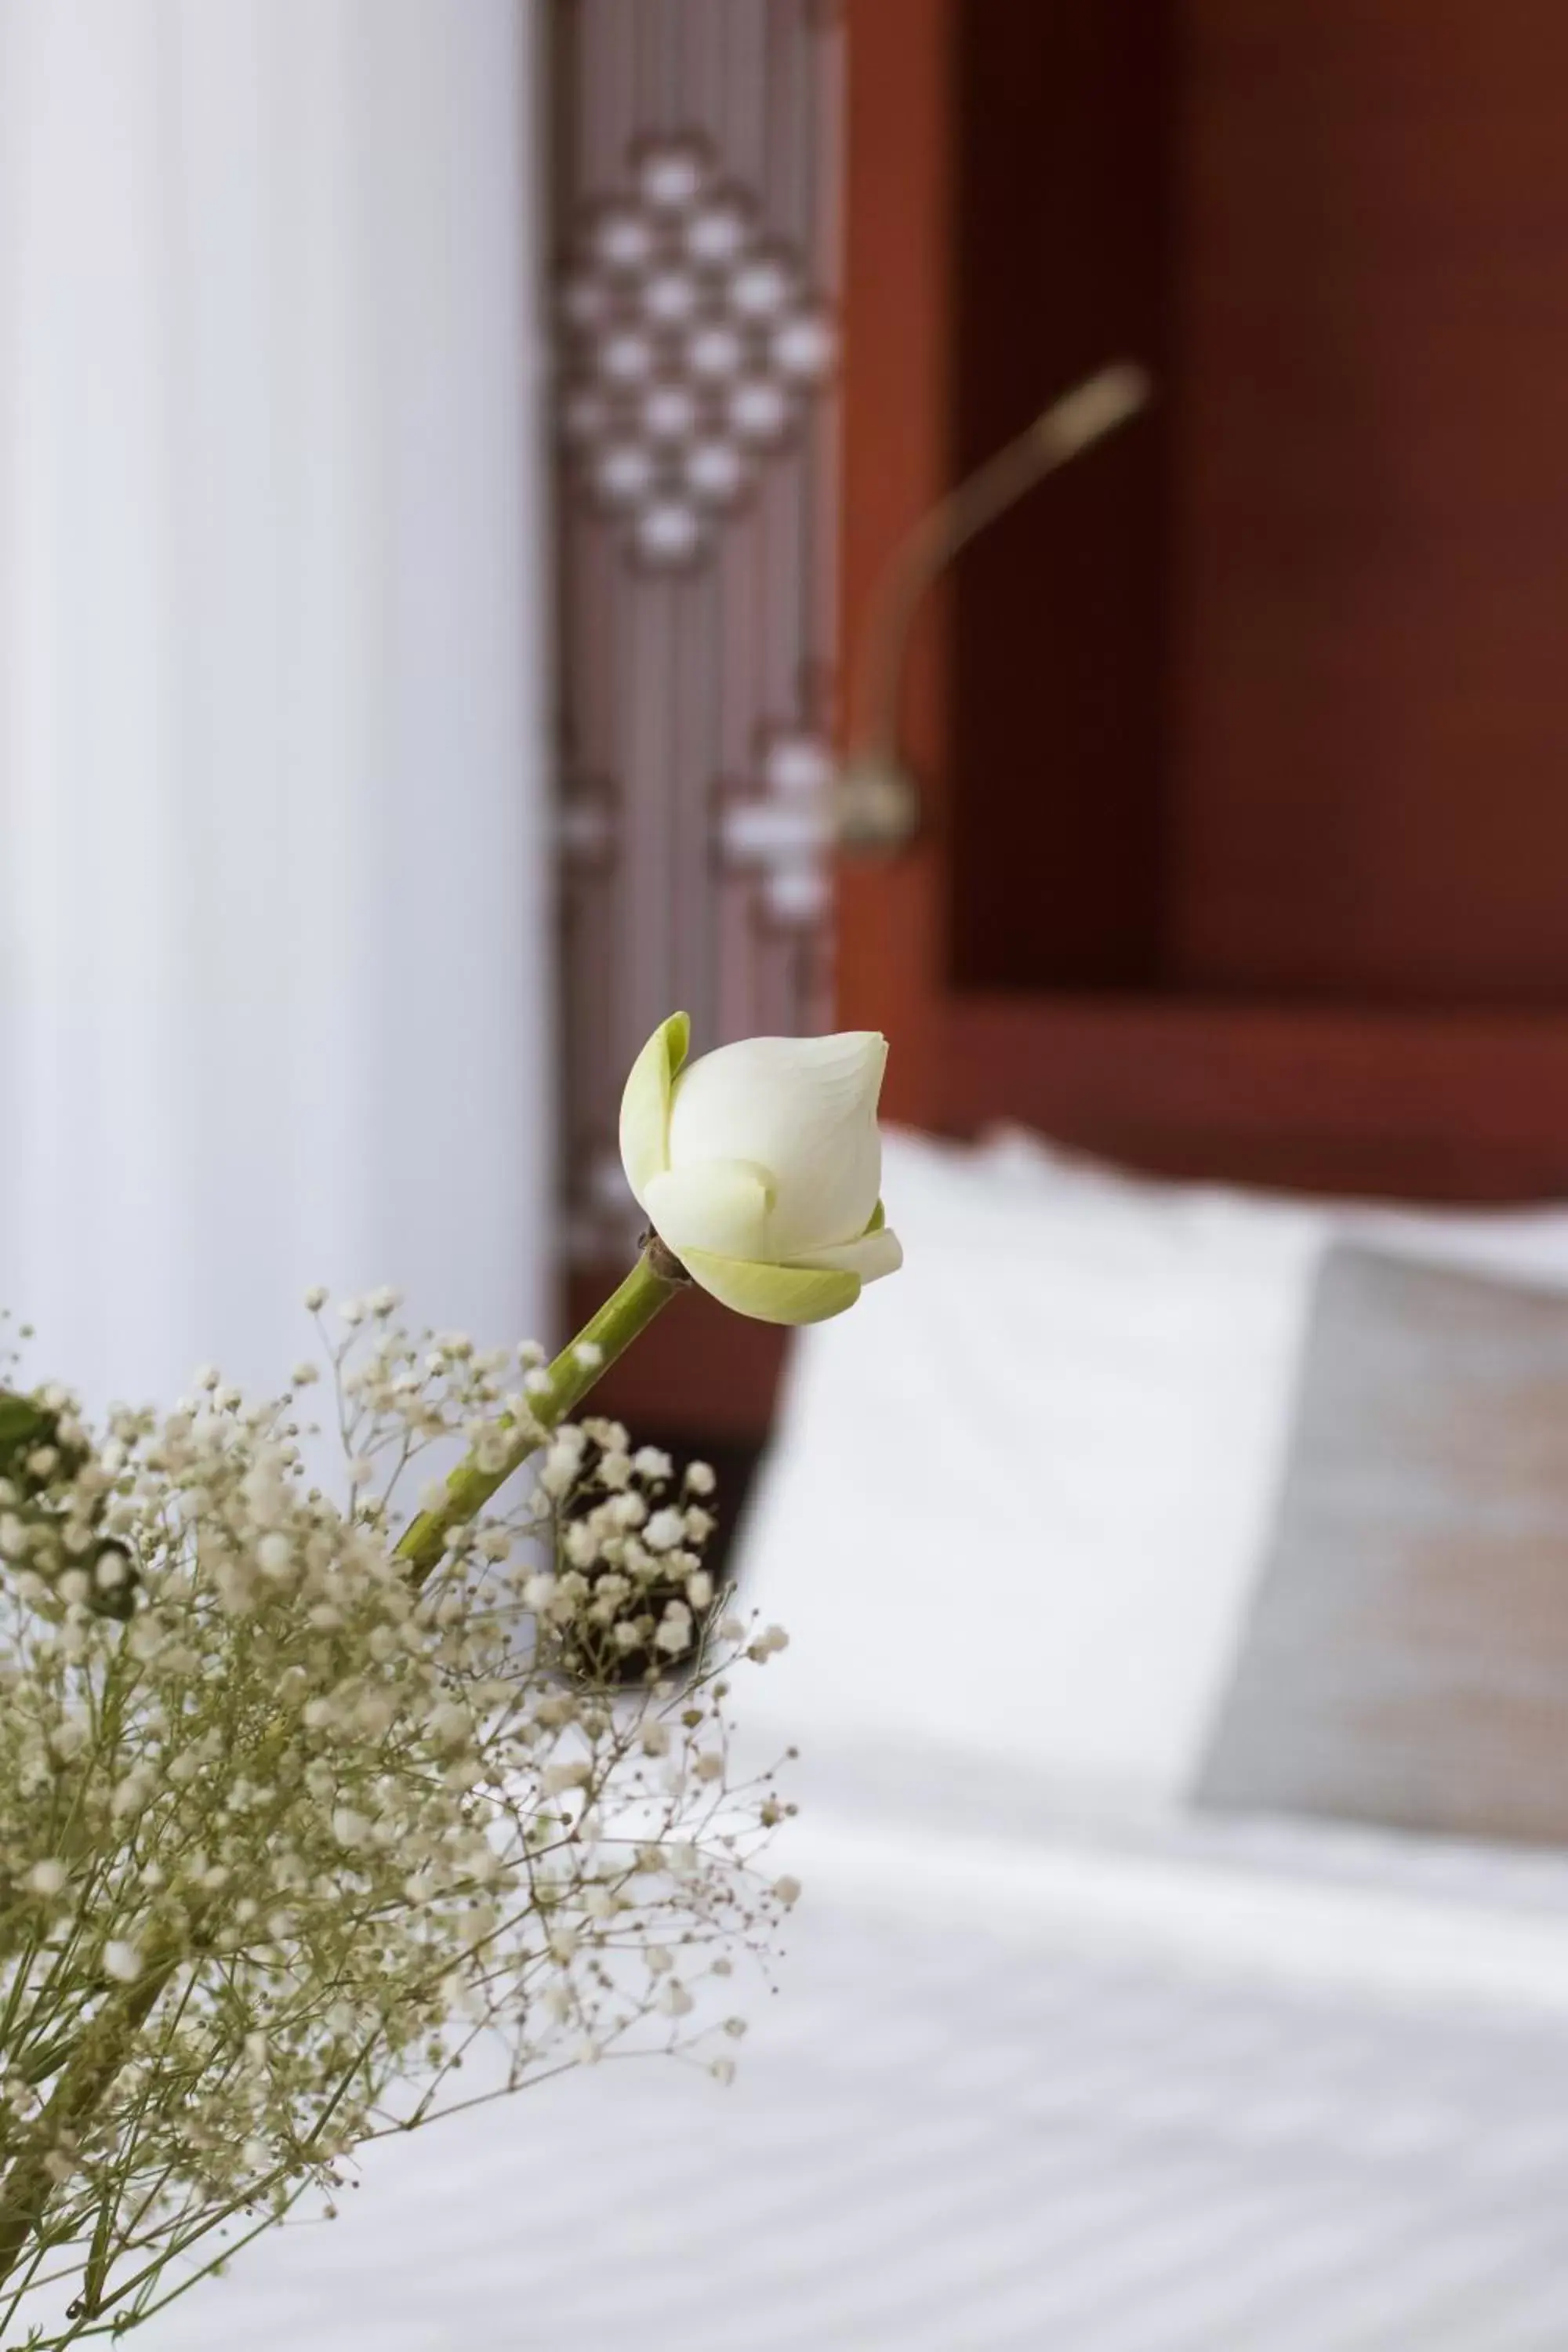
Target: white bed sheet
[1028, 2083]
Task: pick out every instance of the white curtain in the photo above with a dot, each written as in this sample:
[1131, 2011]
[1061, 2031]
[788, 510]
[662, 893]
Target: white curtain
[273, 898]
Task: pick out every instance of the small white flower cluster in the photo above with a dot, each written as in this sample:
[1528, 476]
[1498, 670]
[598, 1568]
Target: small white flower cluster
[287, 1835]
[630, 1594]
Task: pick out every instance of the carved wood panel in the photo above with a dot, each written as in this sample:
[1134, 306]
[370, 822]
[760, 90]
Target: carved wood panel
[696, 206]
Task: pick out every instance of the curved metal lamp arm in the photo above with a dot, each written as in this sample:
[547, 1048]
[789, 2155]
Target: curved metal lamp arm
[877, 801]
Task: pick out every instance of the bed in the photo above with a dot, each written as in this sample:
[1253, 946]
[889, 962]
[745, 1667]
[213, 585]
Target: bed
[1025, 2086]
[1066, 2049]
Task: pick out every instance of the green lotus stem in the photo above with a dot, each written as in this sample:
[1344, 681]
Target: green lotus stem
[628, 1312]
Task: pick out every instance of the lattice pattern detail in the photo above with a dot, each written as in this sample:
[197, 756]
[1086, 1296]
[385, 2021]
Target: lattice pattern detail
[691, 340]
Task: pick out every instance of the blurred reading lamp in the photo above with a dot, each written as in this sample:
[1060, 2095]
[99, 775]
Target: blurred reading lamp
[877, 803]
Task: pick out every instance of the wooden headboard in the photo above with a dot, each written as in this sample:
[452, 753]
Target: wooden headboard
[1244, 742]
[1410, 1106]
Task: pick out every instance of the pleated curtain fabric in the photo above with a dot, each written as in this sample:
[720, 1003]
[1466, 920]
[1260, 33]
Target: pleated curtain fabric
[274, 882]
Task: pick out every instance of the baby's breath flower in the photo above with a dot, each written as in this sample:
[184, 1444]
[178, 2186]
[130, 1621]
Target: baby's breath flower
[348, 1819]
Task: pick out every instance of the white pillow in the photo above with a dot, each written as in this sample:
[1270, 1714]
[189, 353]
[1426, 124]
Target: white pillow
[1529, 1243]
[1017, 1496]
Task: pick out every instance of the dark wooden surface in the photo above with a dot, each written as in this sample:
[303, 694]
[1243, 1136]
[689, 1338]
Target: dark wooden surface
[1055, 747]
[899, 355]
[1369, 471]
[1323, 787]
[1473, 1107]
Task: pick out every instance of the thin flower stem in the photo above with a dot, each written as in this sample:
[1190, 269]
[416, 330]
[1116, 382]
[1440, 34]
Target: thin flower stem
[30, 2184]
[145, 2126]
[625, 1315]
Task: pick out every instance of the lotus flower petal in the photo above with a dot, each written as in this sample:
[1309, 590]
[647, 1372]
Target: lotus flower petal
[720, 1205]
[804, 1109]
[873, 1256]
[646, 1101]
[772, 1294]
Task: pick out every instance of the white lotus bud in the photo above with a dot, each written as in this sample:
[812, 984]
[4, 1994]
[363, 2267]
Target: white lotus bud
[760, 1165]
